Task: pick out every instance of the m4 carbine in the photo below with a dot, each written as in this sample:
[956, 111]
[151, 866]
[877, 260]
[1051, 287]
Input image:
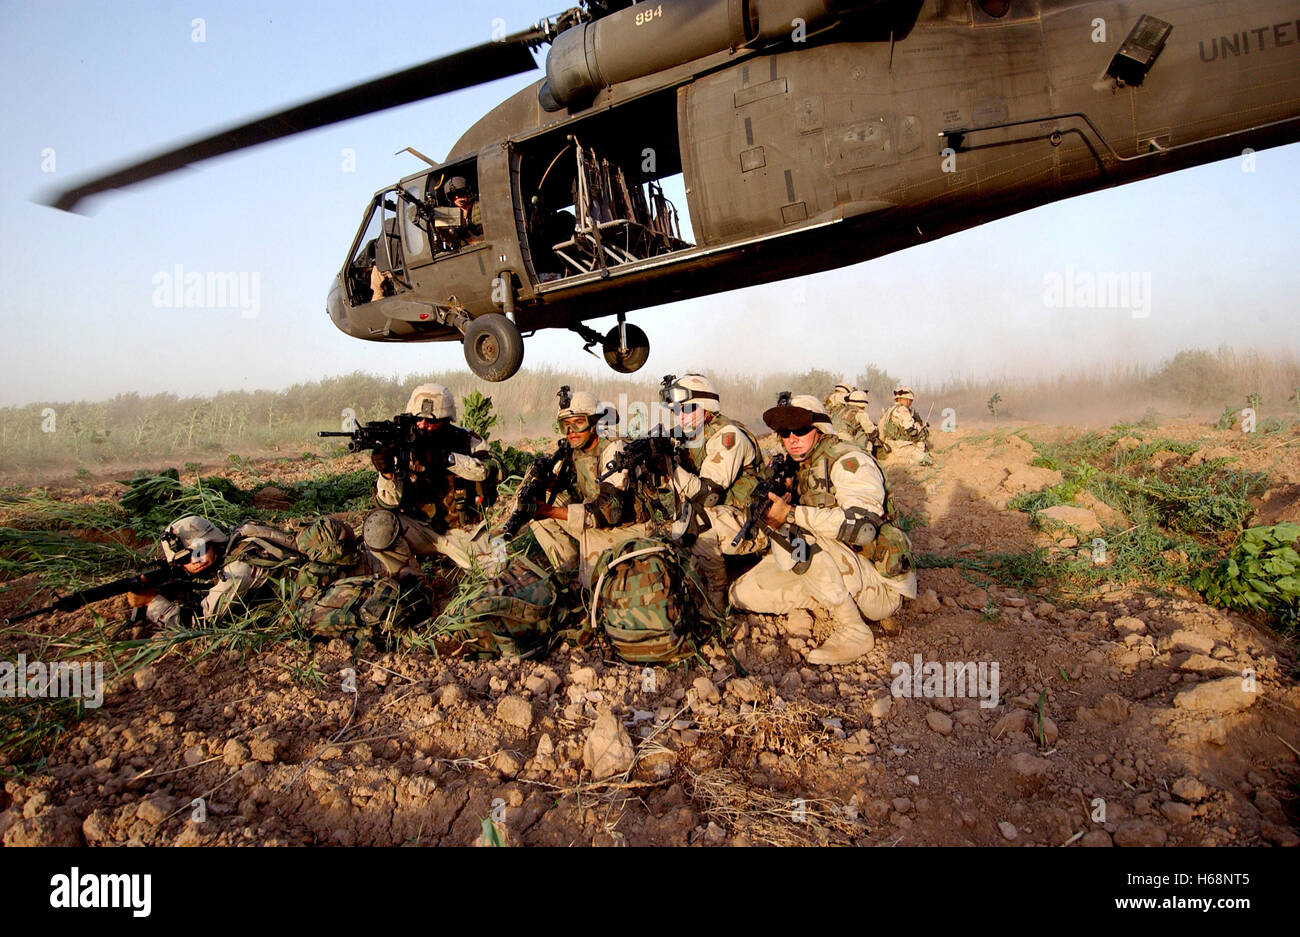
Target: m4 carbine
[777, 481]
[536, 489]
[654, 451]
[151, 578]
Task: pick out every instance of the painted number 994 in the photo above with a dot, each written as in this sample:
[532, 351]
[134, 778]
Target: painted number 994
[648, 15]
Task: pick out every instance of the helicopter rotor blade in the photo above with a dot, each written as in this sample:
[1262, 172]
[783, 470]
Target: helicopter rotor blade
[474, 66]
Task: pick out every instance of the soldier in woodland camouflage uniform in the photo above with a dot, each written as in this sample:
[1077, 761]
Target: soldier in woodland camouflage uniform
[905, 434]
[588, 515]
[242, 563]
[717, 472]
[831, 538]
[429, 504]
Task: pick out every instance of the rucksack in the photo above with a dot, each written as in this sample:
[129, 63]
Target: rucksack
[330, 551]
[648, 602]
[515, 616]
[365, 606]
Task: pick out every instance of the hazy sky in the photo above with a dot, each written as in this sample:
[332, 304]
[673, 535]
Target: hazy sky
[100, 84]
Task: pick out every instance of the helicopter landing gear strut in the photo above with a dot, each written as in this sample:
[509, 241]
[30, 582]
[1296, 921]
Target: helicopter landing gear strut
[625, 347]
[494, 349]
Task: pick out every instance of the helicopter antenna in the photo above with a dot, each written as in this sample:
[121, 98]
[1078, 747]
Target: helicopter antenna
[414, 152]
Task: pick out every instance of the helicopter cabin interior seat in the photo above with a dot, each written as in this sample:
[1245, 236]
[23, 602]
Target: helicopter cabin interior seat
[614, 223]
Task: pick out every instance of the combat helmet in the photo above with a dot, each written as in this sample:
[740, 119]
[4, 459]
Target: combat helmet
[182, 538]
[904, 392]
[432, 402]
[696, 389]
[856, 399]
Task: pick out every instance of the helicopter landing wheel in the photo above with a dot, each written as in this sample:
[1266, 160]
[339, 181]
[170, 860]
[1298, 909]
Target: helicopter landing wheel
[494, 349]
[638, 349]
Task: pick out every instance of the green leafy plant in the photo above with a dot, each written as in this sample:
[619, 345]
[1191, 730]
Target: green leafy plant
[992, 404]
[477, 416]
[1260, 574]
[1227, 419]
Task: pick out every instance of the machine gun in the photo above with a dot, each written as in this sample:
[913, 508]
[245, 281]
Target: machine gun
[539, 483]
[397, 433]
[778, 480]
[155, 576]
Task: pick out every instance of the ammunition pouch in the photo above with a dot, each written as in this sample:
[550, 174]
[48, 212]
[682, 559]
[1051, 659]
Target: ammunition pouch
[859, 527]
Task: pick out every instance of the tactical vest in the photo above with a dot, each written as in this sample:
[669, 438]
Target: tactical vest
[586, 472]
[261, 546]
[893, 430]
[813, 480]
[692, 459]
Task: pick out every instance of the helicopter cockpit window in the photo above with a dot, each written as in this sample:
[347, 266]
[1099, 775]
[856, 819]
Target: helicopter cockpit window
[377, 266]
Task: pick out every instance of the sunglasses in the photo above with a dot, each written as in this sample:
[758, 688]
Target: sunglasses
[687, 408]
[787, 433]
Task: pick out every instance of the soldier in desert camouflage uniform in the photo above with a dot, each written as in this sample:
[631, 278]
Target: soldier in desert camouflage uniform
[831, 537]
[588, 515]
[903, 432]
[242, 563]
[835, 399]
[853, 423]
[717, 472]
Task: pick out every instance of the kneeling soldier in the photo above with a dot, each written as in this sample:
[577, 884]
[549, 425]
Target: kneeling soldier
[589, 515]
[906, 436]
[831, 537]
[431, 490]
[716, 474]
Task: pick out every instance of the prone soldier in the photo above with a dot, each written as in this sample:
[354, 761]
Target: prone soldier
[831, 537]
[242, 563]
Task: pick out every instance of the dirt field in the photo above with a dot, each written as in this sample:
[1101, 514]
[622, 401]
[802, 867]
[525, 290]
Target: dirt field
[1118, 717]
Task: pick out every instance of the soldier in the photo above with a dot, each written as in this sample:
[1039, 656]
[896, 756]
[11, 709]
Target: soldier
[588, 515]
[905, 436]
[460, 194]
[716, 475]
[835, 399]
[241, 563]
[431, 491]
[830, 537]
[853, 423]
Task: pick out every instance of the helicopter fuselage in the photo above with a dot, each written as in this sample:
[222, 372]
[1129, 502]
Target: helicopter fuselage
[806, 157]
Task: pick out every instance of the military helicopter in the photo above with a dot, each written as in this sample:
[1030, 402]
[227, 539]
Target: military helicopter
[810, 134]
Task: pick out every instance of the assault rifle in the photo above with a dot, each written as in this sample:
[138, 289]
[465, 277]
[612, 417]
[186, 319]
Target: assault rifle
[651, 451]
[536, 488]
[779, 477]
[151, 578]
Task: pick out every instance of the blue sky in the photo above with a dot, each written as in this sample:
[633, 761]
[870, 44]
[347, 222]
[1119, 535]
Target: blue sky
[102, 83]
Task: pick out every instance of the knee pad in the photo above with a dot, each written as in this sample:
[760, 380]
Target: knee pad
[381, 529]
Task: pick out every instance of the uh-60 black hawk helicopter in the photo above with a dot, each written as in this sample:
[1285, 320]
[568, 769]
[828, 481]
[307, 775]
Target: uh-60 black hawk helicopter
[811, 134]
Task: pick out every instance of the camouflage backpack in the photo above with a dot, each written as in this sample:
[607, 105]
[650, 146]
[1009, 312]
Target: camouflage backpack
[648, 601]
[330, 549]
[366, 606]
[515, 616]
